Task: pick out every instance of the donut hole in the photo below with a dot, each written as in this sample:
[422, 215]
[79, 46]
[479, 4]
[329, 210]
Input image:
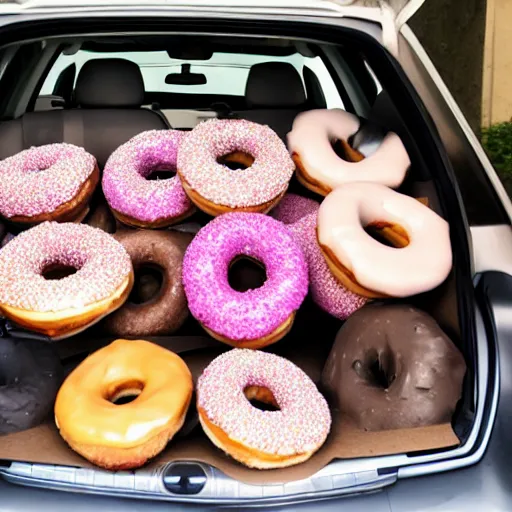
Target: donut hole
[161, 173]
[345, 151]
[377, 369]
[54, 271]
[236, 161]
[148, 284]
[125, 393]
[246, 274]
[261, 398]
[387, 234]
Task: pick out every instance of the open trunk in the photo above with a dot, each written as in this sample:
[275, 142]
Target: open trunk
[362, 77]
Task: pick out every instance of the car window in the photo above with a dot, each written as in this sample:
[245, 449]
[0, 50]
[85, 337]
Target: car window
[226, 73]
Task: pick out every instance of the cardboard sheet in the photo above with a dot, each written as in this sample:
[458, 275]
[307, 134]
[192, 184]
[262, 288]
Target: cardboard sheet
[44, 445]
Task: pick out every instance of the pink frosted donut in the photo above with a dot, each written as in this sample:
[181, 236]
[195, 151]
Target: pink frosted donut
[52, 182]
[261, 439]
[133, 198]
[300, 214]
[55, 305]
[320, 169]
[257, 317]
[215, 188]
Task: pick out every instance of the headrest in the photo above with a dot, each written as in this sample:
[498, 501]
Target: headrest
[274, 85]
[109, 83]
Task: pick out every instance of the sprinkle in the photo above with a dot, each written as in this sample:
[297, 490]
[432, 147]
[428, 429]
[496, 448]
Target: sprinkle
[40, 179]
[264, 180]
[300, 214]
[124, 179]
[303, 421]
[255, 313]
[103, 265]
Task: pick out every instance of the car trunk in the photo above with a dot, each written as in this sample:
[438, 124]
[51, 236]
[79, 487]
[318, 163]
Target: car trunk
[191, 469]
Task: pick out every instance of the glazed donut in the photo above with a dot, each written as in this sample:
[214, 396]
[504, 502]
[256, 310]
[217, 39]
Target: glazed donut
[391, 366]
[31, 374]
[261, 439]
[216, 189]
[258, 317]
[420, 260]
[300, 214]
[380, 158]
[52, 182]
[166, 311]
[137, 201]
[124, 436]
[62, 306]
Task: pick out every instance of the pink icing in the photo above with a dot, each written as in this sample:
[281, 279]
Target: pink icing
[102, 262]
[264, 180]
[311, 137]
[124, 179]
[303, 421]
[300, 214]
[420, 266]
[255, 313]
[40, 179]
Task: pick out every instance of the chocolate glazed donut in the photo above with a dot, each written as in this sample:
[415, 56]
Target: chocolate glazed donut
[392, 367]
[30, 374]
[146, 313]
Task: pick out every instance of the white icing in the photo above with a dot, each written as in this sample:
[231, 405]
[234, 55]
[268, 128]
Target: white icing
[422, 265]
[311, 137]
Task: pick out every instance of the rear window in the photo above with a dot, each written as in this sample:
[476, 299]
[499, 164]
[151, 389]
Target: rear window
[226, 73]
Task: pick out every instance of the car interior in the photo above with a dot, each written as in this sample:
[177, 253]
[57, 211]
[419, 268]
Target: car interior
[102, 102]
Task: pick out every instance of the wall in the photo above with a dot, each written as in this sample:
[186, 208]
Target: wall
[453, 34]
[497, 85]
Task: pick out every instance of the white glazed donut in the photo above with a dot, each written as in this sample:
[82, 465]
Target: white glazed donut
[320, 169]
[420, 260]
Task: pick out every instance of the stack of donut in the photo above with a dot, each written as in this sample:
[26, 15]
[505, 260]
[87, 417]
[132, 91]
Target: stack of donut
[76, 253]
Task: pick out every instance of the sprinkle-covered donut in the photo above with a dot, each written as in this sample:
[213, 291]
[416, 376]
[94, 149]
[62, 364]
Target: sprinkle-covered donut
[137, 201]
[257, 317]
[165, 311]
[215, 188]
[261, 439]
[300, 214]
[60, 307]
[420, 257]
[383, 159]
[52, 182]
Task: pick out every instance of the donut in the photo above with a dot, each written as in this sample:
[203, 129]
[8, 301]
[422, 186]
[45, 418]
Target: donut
[34, 292]
[383, 159]
[124, 436]
[300, 214]
[133, 198]
[391, 366]
[47, 183]
[215, 188]
[165, 311]
[101, 217]
[419, 260]
[31, 374]
[256, 438]
[257, 317]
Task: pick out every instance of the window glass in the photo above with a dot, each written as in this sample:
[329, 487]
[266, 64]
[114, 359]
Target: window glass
[226, 73]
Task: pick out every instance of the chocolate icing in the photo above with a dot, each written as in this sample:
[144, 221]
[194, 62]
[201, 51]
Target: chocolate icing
[166, 311]
[101, 217]
[30, 375]
[392, 367]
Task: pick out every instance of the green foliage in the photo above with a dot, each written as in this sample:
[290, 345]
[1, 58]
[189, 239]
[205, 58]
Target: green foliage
[497, 141]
